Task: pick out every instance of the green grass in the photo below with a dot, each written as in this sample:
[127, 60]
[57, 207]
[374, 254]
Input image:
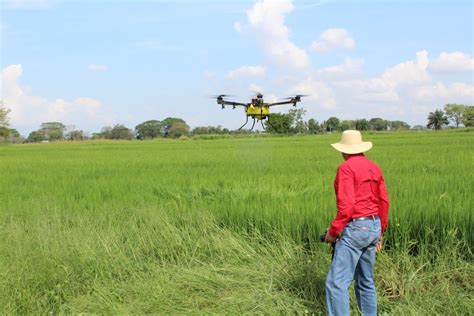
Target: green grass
[225, 226]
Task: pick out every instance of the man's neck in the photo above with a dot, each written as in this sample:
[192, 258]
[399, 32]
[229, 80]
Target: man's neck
[347, 156]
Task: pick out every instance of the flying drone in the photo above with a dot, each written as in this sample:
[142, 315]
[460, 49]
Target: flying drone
[257, 108]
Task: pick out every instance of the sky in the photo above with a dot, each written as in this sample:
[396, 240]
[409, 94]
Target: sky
[91, 64]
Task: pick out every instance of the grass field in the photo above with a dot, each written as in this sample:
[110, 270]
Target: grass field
[225, 226]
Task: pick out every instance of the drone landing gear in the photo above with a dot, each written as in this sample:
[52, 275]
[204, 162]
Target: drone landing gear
[253, 124]
[261, 121]
[246, 120]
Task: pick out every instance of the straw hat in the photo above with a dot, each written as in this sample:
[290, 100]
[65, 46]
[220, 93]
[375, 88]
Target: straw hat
[351, 143]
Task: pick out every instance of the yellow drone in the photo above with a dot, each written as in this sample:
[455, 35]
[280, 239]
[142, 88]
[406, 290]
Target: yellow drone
[257, 108]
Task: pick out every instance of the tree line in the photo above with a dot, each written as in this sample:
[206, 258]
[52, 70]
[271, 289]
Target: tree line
[280, 123]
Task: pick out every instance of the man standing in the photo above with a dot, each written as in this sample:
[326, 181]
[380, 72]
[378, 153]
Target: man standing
[362, 217]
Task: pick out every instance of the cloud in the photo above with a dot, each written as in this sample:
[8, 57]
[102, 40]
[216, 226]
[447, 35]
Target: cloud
[30, 111]
[317, 91]
[266, 19]
[332, 39]
[98, 68]
[387, 87]
[255, 71]
[409, 72]
[455, 93]
[349, 69]
[452, 63]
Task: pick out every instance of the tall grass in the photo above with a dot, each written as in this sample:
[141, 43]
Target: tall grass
[223, 225]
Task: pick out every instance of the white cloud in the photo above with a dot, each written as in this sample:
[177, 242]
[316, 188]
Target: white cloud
[455, 93]
[332, 39]
[388, 87]
[98, 68]
[256, 71]
[267, 20]
[349, 69]
[30, 110]
[409, 72]
[368, 90]
[253, 88]
[317, 91]
[452, 63]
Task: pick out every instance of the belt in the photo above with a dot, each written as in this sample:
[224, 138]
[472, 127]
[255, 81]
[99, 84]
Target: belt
[363, 218]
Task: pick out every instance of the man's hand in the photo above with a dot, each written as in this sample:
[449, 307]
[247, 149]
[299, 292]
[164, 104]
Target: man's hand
[330, 239]
[378, 247]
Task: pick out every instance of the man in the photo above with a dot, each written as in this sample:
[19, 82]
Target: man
[362, 217]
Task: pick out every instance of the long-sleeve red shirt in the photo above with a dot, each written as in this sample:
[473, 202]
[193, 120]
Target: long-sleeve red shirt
[360, 191]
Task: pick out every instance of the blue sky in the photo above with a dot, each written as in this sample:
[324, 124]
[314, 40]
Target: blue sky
[98, 63]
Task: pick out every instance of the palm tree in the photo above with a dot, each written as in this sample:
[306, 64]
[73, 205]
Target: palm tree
[437, 119]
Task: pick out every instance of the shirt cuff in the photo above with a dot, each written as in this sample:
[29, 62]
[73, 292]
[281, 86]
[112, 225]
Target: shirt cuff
[333, 232]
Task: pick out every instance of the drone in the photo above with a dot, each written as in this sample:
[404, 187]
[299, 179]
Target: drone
[257, 108]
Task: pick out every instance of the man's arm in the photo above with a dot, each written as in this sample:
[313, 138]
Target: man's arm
[384, 204]
[345, 197]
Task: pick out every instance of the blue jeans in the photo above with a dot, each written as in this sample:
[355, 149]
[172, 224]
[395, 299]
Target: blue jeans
[354, 258]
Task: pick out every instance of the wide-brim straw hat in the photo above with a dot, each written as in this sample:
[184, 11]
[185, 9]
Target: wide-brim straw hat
[351, 143]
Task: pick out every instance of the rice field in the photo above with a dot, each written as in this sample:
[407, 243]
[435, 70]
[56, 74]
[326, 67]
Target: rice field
[225, 225]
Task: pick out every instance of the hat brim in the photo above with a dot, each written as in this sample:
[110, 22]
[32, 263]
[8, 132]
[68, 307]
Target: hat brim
[352, 149]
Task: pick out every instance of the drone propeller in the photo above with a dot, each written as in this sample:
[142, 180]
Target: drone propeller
[296, 96]
[220, 96]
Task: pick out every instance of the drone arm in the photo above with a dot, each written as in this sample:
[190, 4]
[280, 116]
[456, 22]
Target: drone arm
[224, 102]
[292, 101]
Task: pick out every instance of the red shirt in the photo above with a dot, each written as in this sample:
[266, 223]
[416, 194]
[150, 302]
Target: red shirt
[360, 191]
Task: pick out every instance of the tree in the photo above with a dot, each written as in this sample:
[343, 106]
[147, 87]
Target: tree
[362, 125]
[280, 123]
[168, 122]
[468, 117]
[120, 131]
[178, 129]
[15, 136]
[332, 124]
[75, 135]
[299, 125]
[378, 124]
[200, 130]
[436, 120]
[398, 125]
[4, 134]
[52, 130]
[35, 137]
[418, 127]
[313, 126]
[455, 112]
[345, 125]
[149, 129]
[105, 133]
[4, 121]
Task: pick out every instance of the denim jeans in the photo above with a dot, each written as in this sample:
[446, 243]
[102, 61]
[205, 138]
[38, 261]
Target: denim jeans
[354, 258]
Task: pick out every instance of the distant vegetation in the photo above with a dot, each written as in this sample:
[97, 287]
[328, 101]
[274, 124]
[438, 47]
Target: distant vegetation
[289, 123]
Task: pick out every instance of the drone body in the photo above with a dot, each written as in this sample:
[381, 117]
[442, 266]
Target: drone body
[257, 109]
